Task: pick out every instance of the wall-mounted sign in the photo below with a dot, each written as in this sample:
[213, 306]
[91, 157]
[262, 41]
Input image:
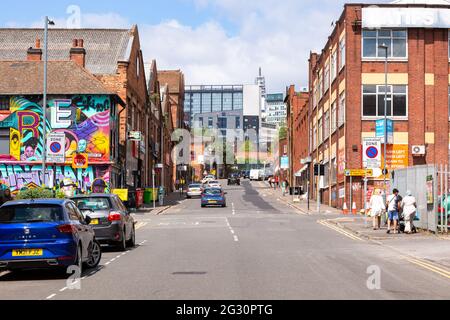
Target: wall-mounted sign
[371, 153]
[56, 148]
[390, 130]
[284, 162]
[80, 161]
[135, 136]
[388, 17]
[358, 172]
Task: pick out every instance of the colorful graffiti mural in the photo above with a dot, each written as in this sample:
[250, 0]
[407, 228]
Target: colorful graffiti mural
[91, 179]
[85, 120]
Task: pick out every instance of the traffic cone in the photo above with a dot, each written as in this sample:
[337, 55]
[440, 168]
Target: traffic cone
[354, 211]
[345, 209]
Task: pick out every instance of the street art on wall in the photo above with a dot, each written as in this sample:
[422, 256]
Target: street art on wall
[85, 120]
[93, 179]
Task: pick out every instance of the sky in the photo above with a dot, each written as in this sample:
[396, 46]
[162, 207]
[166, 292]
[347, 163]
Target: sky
[211, 41]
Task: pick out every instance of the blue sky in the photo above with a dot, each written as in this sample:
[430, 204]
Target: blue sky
[212, 41]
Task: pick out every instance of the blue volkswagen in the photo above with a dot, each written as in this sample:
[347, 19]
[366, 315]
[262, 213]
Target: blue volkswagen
[213, 197]
[46, 233]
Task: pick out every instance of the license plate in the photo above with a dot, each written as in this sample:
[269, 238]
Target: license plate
[28, 253]
[211, 201]
[94, 222]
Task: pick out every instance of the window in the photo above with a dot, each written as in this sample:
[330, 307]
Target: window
[333, 117]
[320, 131]
[326, 130]
[333, 171]
[206, 102]
[320, 86]
[341, 110]
[396, 40]
[238, 101]
[210, 123]
[314, 138]
[333, 65]
[238, 122]
[200, 122]
[227, 101]
[342, 53]
[4, 103]
[216, 102]
[4, 141]
[326, 79]
[373, 101]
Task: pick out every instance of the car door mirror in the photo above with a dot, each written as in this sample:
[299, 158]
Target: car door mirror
[88, 220]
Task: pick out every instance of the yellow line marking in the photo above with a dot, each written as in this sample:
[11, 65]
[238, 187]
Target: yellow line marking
[429, 266]
[339, 230]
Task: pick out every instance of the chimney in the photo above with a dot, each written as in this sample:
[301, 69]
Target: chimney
[35, 54]
[78, 53]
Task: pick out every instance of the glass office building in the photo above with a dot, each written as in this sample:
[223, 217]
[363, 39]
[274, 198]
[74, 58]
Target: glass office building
[211, 99]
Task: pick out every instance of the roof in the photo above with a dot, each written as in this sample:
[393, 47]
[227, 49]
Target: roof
[104, 47]
[173, 78]
[427, 2]
[64, 77]
[36, 201]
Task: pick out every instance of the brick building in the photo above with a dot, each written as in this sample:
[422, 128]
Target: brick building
[114, 57]
[79, 107]
[347, 92]
[298, 135]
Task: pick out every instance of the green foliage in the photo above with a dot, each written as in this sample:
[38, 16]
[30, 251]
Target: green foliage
[282, 133]
[38, 193]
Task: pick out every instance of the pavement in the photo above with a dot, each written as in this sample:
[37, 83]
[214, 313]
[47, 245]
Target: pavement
[257, 248]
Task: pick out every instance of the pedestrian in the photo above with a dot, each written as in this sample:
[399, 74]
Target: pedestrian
[6, 196]
[270, 182]
[393, 208]
[409, 206]
[277, 182]
[283, 187]
[377, 208]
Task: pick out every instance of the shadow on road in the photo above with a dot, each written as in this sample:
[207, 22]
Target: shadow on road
[252, 196]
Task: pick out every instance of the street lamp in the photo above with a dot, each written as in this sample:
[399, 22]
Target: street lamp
[44, 103]
[385, 48]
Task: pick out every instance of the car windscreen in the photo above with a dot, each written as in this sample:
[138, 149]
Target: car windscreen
[93, 204]
[31, 213]
[213, 182]
[195, 186]
[213, 192]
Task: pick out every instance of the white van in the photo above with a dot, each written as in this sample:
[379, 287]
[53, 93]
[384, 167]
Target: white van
[255, 175]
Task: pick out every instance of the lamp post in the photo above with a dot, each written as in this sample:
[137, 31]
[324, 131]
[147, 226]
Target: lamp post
[385, 48]
[44, 103]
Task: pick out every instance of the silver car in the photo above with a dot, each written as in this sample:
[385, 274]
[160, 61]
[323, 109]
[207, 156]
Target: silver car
[194, 190]
[110, 219]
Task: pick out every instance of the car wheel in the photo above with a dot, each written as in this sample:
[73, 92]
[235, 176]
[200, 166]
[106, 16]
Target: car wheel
[122, 245]
[95, 255]
[132, 242]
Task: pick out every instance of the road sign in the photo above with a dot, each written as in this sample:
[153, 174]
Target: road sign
[358, 172]
[372, 153]
[56, 148]
[284, 162]
[380, 130]
[80, 161]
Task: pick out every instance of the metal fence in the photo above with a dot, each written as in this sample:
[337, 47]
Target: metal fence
[428, 184]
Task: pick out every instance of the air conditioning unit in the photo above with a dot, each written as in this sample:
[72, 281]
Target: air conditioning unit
[418, 150]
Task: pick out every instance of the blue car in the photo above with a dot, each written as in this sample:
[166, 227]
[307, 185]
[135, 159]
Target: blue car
[213, 197]
[37, 234]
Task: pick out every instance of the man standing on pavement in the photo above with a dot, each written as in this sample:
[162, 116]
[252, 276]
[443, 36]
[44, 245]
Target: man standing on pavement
[393, 207]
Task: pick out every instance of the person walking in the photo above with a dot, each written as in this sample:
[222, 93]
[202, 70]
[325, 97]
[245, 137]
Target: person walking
[377, 208]
[393, 207]
[6, 196]
[270, 182]
[409, 206]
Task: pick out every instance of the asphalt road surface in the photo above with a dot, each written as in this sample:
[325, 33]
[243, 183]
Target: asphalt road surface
[256, 248]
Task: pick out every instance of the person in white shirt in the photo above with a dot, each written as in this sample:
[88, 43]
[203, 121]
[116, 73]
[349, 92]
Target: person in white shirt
[377, 208]
[394, 205]
[409, 210]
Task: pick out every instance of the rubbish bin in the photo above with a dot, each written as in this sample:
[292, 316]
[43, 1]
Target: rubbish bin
[139, 198]
[148, 196]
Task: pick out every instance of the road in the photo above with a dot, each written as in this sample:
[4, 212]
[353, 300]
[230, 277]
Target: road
[257, 248]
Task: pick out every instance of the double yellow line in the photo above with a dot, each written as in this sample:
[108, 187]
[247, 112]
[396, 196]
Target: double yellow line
[339, 230]
[140, 225]
[429, 266]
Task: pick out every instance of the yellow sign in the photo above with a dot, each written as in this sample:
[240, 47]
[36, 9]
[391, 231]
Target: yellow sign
[14, 143]
[80, 161]
[122, 193]
[358, 172]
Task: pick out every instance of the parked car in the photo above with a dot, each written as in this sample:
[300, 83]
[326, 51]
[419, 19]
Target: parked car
[41, 234]
[234, 179]
[213, 184]
[246, 174]
[208, 178]
[213, 197]
[111, 221]
[194, 190]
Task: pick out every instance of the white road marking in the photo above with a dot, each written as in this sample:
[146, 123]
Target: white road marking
[112, 260]
[63, 289]
[232, 231]
[236, 239]
[51, 296]
[108, 263]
